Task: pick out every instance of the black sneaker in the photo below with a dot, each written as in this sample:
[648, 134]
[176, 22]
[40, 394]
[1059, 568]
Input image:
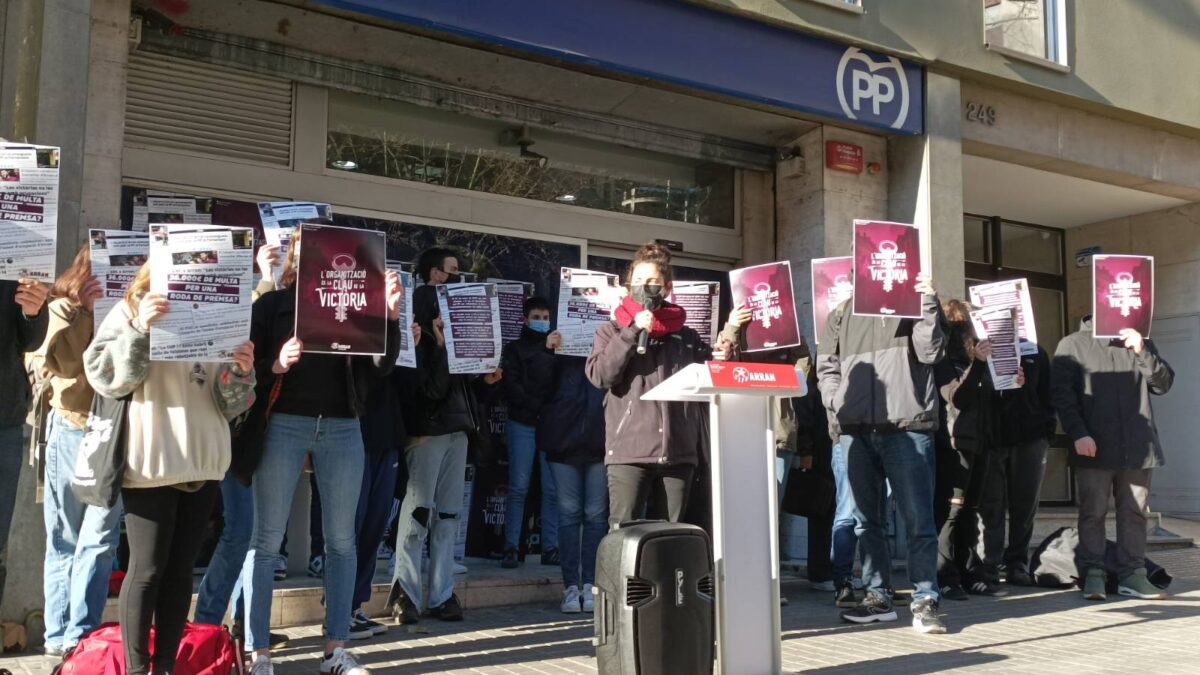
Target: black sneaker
[872, 608]
[986, 588]
[362, 628]
[510, 559]
[1019, 576]
[954, 592]
[926, 619]
[449, 610]
[404, 610]
[845, 596]
[550, 557]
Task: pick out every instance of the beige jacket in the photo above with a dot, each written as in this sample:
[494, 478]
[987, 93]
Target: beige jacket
[67, 337]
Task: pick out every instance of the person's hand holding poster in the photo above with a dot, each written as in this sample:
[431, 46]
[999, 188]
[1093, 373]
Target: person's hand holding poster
[471, 313]
[1122, 294]
[117, 255]
[586, 299]
[341, 290]
[767, 291]
[832, 284]
[887, 260]
[206, 273]
[512, 295]
[999, 328]
[279, 222]
[28, 211]
[702, 302]
[407, 358]
[1010, 293]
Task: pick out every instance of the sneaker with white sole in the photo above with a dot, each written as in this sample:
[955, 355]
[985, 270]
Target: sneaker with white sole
[459, 568]
[262, 666]
[823, 586]
[872, 608]
[316, 566]
[1137, 585]
[589, 598]
[926, 619]
[281, 569]
[359, 620]
[571, 603]
[340, 662]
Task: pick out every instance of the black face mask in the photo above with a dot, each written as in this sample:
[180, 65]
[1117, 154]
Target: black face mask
[453, 278]
[647, 295]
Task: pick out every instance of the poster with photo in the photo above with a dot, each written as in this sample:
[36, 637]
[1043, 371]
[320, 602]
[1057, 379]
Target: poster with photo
[207, 273]
[1122, 294]
[407, 358]
[702, 302]
[1010, 293]
[28, 211]
[279, 221]
[471, 316]
[117, 255]
[832, 284]
[586, 300]
[512, 295]
[1000, 327]
[887, 260]
[767, 291]
[341, 290]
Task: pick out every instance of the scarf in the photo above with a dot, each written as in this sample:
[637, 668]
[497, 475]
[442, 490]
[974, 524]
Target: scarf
[668, 318]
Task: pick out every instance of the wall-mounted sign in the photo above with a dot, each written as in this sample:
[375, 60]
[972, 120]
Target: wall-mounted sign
[841, 156]
[1083, 257]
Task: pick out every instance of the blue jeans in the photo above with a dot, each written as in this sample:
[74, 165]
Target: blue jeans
[337, 457]
[522, 448]
[845, 539]
[582, 518]
[80, 541]
[373, 515]
[224, 576]
[905, 460]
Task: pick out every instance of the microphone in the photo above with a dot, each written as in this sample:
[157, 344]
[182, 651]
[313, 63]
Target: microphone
[652, 303]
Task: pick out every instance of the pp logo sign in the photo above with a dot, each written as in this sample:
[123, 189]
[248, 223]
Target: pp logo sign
[875, 88]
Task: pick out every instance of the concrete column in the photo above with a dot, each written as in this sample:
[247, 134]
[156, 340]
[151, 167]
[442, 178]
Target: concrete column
[756, 211]
[20, 58]
[816, 206]
[100, 203]
[925, 185]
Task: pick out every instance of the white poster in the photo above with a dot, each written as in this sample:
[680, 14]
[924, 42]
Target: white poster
[28, 211]
[586, 300]
[407, 358]
[279, 221]
[999, 326]
[117, 255]
[702, 302]
[1011, 293]
[471, 317]
[206, 272]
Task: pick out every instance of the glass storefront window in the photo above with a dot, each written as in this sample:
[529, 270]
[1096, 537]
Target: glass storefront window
[1031, 27]
[976, 239]
[393, 139]
[1031, 248]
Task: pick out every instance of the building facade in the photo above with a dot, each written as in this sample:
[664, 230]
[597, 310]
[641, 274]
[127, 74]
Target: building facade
[547, 132]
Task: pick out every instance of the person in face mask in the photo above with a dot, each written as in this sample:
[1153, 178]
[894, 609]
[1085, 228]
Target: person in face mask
[649, 445]
[527, 386]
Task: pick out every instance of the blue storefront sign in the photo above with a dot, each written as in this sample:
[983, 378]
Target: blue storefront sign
[680, 43]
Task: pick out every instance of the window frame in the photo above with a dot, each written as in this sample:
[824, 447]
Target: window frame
[1055, 37]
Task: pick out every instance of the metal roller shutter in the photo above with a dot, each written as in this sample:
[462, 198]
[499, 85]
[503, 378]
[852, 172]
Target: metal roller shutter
[204, 109]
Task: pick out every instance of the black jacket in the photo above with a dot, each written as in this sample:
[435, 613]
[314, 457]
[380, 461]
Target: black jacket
[273, 323]
[794, 417]
[571, 430]
[968, 399]
[18, 335]
[1102, 390]
[383, 422]
[1027, 414]
[528, 376]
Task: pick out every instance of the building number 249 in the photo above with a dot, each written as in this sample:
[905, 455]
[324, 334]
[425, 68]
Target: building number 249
[984, 114]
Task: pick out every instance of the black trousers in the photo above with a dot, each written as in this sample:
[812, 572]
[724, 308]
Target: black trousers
[631, 488]
[960, 477]
[164, 526]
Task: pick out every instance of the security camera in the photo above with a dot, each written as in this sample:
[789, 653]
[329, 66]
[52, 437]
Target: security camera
[533, 157]
[523, 139]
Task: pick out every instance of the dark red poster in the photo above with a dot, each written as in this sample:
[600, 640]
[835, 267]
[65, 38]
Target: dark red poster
[341, 303]
[1122, 294]
[832, 284]
[767, 291]
[887, 259]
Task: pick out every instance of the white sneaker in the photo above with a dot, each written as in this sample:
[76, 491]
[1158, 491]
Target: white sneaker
[825, 586]
[589, 599]
[460, 568]
[570, 603]
[341, 663]
[262, 666]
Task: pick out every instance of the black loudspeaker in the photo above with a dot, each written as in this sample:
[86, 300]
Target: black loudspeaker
[654, 600]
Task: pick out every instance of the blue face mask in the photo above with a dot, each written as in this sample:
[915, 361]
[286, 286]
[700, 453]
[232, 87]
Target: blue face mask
[539, 326]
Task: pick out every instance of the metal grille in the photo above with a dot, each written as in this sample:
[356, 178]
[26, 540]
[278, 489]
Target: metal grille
[705, 586]
[204, 109]
[637, 591]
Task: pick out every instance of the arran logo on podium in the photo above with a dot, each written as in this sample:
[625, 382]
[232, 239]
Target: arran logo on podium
[753, 375]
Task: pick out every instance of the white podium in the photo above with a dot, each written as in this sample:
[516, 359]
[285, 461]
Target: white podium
[744, 503]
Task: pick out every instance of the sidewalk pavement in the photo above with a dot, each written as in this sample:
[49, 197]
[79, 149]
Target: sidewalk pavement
[1032, 631]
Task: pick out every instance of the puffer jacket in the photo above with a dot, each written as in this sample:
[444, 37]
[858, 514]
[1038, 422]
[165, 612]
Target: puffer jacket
[1102, 389]
[968, 400]
[1027, 414]
[571, 430]
[876, 373]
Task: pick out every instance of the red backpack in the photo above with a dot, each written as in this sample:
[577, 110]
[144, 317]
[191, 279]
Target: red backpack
[204, 650]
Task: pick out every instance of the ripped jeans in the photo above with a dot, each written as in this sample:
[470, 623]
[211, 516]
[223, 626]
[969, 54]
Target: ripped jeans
[431, 509]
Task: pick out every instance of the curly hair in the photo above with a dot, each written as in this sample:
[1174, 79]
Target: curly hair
[656, 254]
